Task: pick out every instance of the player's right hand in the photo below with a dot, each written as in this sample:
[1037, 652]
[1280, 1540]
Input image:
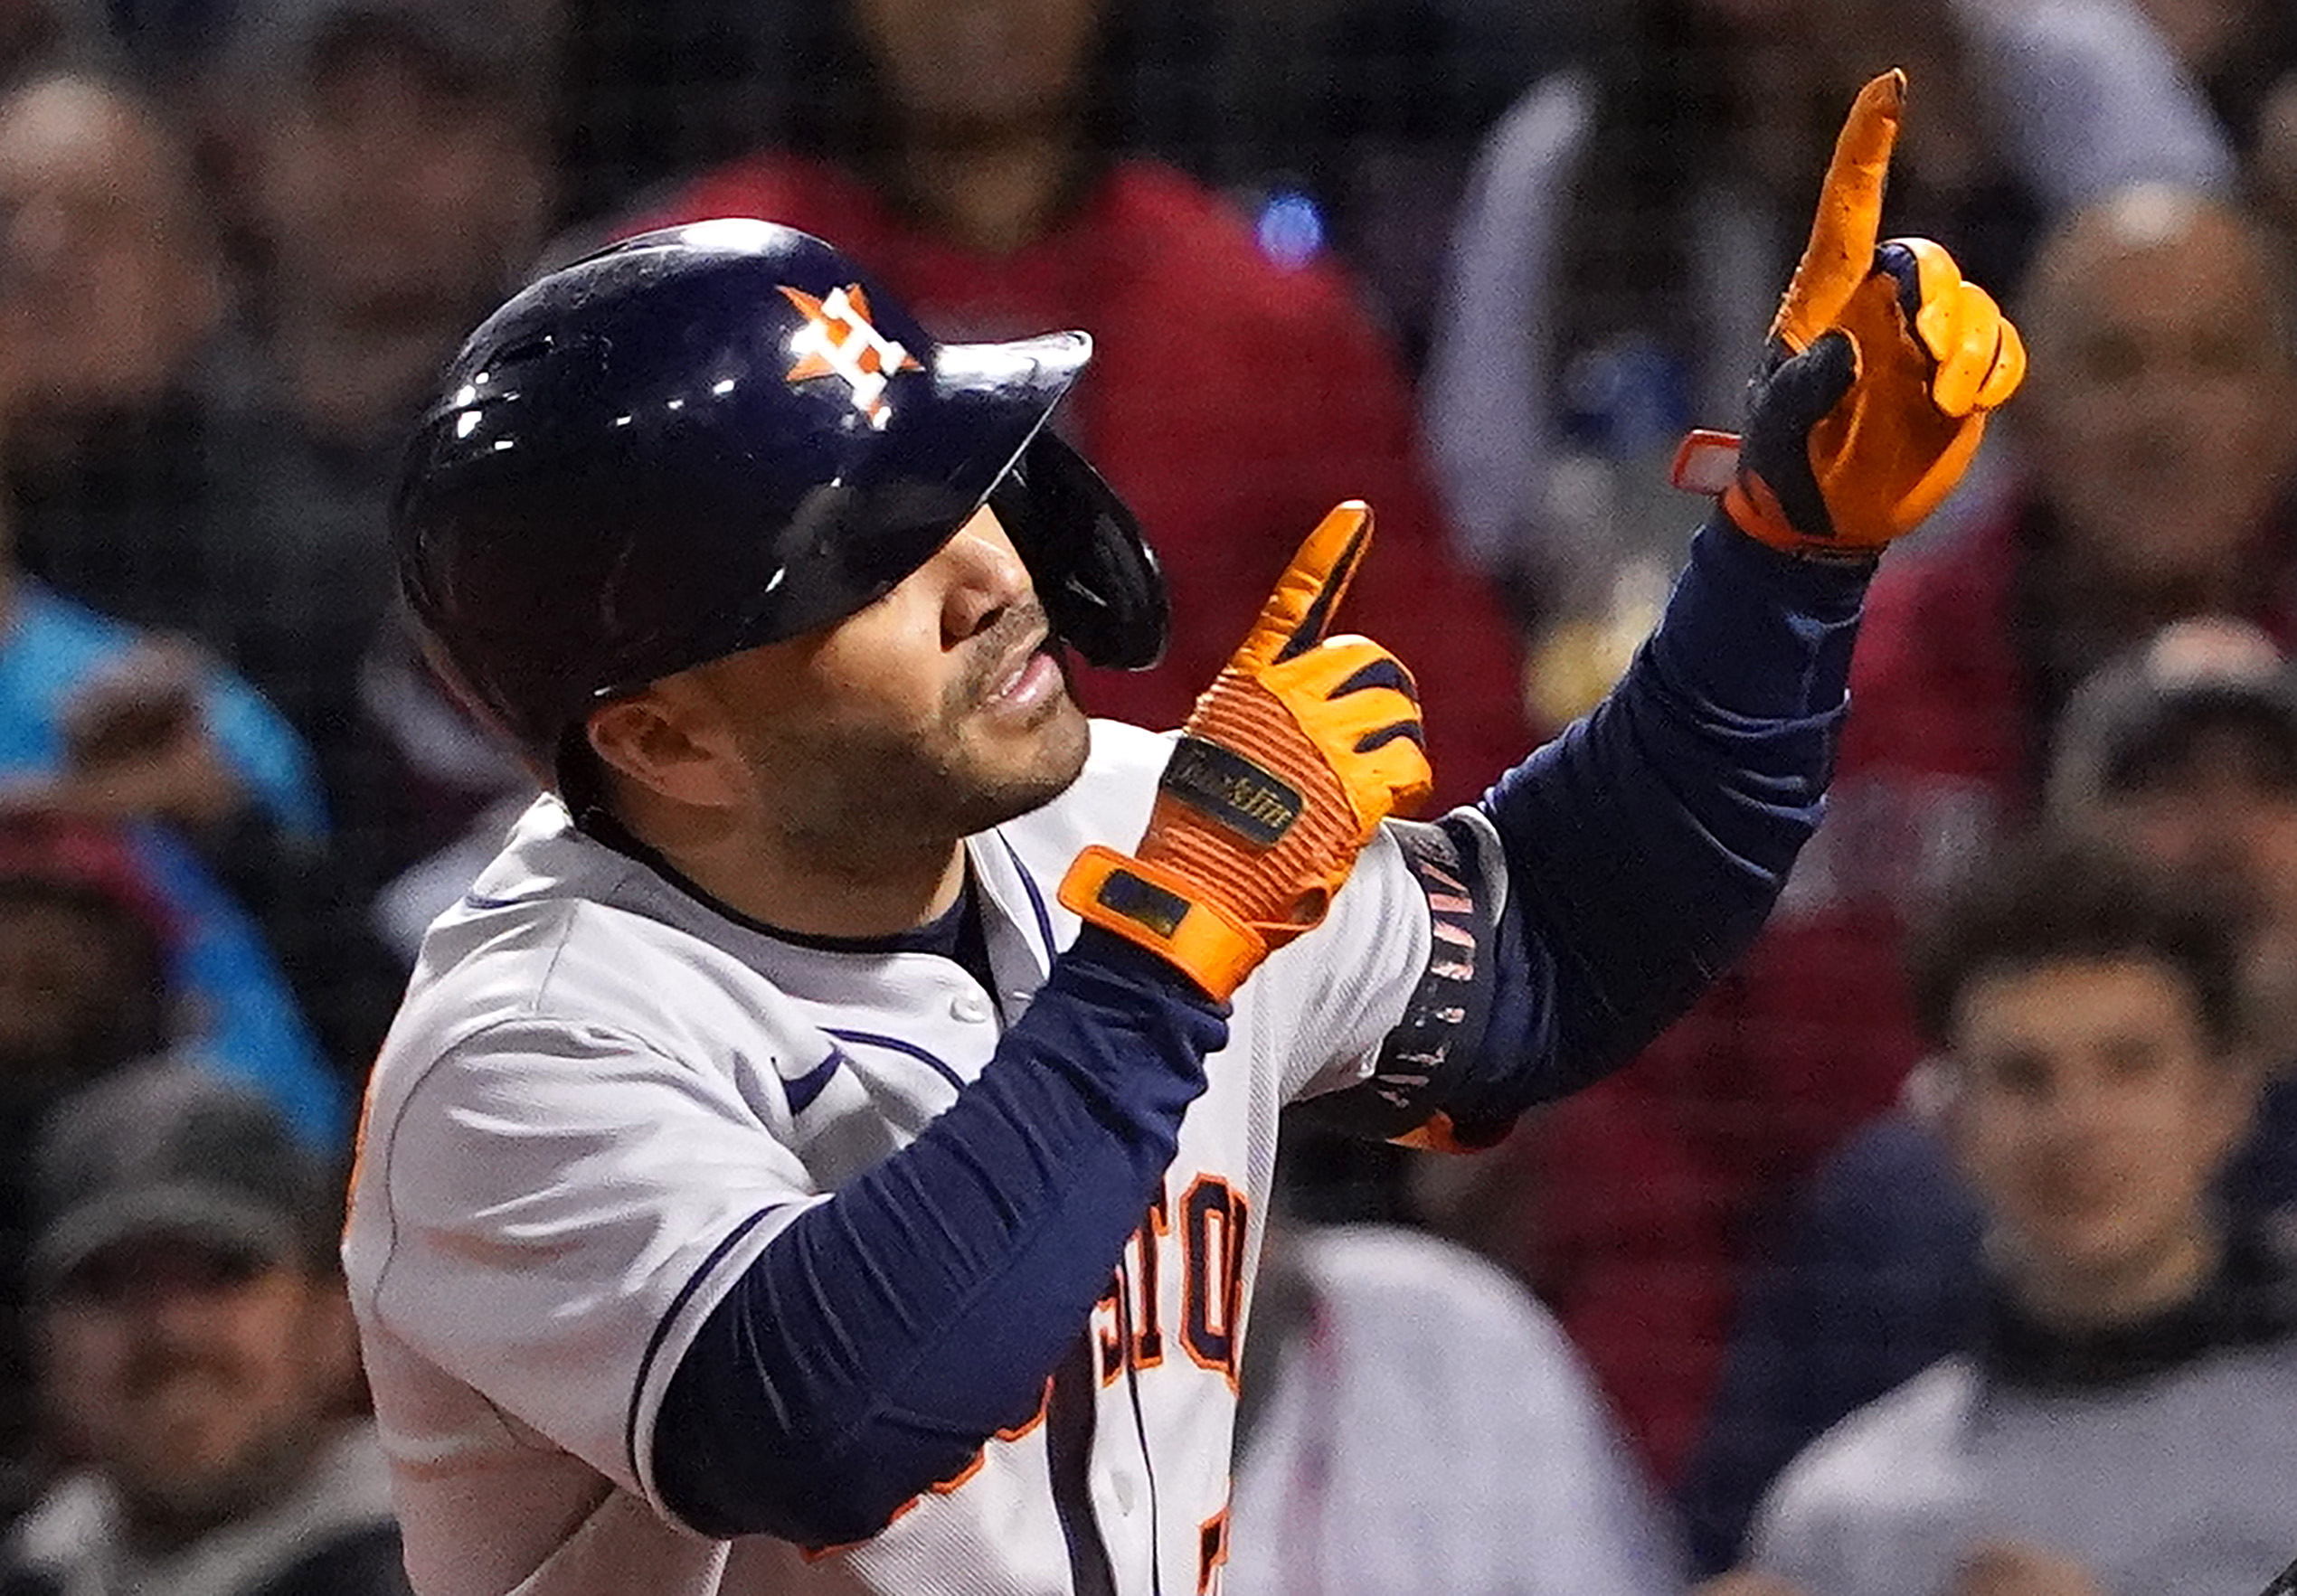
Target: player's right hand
[1882, 365]
[1301, 746]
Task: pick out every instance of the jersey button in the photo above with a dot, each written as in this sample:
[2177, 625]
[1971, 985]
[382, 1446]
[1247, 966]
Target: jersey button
[1127, 1495]
[970, 1007]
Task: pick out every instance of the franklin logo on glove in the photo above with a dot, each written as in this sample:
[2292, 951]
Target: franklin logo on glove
[1257, 805]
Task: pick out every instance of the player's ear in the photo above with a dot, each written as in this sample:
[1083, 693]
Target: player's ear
[661, 740]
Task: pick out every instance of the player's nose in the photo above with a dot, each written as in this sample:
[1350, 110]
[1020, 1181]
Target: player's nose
[982, 576]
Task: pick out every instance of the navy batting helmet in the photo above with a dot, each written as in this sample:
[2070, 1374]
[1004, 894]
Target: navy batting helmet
[714, 437]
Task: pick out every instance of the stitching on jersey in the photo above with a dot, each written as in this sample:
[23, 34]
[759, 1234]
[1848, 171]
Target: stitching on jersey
[571, 911]
[1148, 1234]
[662, 1331]
[1036, 898]
[391, 1150]
[513, 1429]
[421, 1080]
[895, 1044]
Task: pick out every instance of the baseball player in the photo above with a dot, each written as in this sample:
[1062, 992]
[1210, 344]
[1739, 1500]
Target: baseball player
[827, 1150]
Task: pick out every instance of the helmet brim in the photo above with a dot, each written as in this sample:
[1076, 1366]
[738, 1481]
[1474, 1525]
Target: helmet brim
[852, 545]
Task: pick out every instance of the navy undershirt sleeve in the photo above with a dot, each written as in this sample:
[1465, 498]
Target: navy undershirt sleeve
[1640, 852]
[882, 1337]
[878, 1341]
[1646, 845]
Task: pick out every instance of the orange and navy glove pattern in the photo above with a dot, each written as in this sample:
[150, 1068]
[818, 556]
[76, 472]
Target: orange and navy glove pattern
[1290, 761]
[1882, 367]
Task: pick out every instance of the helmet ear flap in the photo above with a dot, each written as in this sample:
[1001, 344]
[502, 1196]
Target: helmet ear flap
[1095, 574]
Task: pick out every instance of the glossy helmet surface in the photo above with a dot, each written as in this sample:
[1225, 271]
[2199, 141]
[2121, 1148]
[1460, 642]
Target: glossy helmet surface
[713, 436]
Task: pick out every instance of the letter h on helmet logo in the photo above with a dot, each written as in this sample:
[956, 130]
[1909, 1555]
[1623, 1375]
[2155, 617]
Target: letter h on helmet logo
[839, 340]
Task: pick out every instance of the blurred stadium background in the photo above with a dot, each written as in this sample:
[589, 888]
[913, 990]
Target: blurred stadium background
[1493, 255]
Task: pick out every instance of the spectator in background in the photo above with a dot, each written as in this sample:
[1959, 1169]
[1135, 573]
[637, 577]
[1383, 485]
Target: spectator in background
[1393, 97]
[219, 464]
[100, 718]
[112, 291]
[198, 1359]
[1568, 363]
[100, 721]
[1413, 1423]
[653, 91]
[393, 167]
[2184, 750]
[967, 168]
[2275, 168]
[36, 33]
[2183, 754]
[2126, 1417]
[659, 92]
[128, 489]
[86, 983]
[399, 183]
[86, 951]
[2158, 430]
[2241, 53]
[115, 287]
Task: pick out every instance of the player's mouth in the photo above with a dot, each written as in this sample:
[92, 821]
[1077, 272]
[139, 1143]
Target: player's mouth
[1026, 679]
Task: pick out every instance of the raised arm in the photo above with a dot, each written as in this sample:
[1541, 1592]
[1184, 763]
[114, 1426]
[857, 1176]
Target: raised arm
[1600, 885]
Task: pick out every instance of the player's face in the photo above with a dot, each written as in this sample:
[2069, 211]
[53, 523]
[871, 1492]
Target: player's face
[192, 1378]
[2092, 1115]
[940, 710]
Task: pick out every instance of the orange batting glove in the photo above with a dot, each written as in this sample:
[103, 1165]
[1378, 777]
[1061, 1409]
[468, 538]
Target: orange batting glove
[1294, 755]
[1882, 365]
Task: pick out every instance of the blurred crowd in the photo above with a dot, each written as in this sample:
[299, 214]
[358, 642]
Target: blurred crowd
[1943, 1249]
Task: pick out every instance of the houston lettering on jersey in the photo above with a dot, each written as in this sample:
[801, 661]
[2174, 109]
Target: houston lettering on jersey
[1204, 1251]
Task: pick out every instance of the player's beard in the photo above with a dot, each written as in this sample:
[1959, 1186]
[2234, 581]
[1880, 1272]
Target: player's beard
[876, 791]
[979, 790]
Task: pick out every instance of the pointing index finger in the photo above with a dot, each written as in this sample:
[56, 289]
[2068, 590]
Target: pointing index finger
[1299, 612]
[1849, 223]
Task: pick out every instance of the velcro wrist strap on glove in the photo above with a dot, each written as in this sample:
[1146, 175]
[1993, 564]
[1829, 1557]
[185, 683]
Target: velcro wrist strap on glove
[1166, 912]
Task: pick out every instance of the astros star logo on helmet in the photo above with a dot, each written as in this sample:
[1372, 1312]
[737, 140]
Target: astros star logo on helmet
[839, 340]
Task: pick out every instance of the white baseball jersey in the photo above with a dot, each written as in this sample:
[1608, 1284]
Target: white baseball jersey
[598, 1084]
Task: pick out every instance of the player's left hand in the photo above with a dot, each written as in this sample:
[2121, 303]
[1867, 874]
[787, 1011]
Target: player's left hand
[1882, 365]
